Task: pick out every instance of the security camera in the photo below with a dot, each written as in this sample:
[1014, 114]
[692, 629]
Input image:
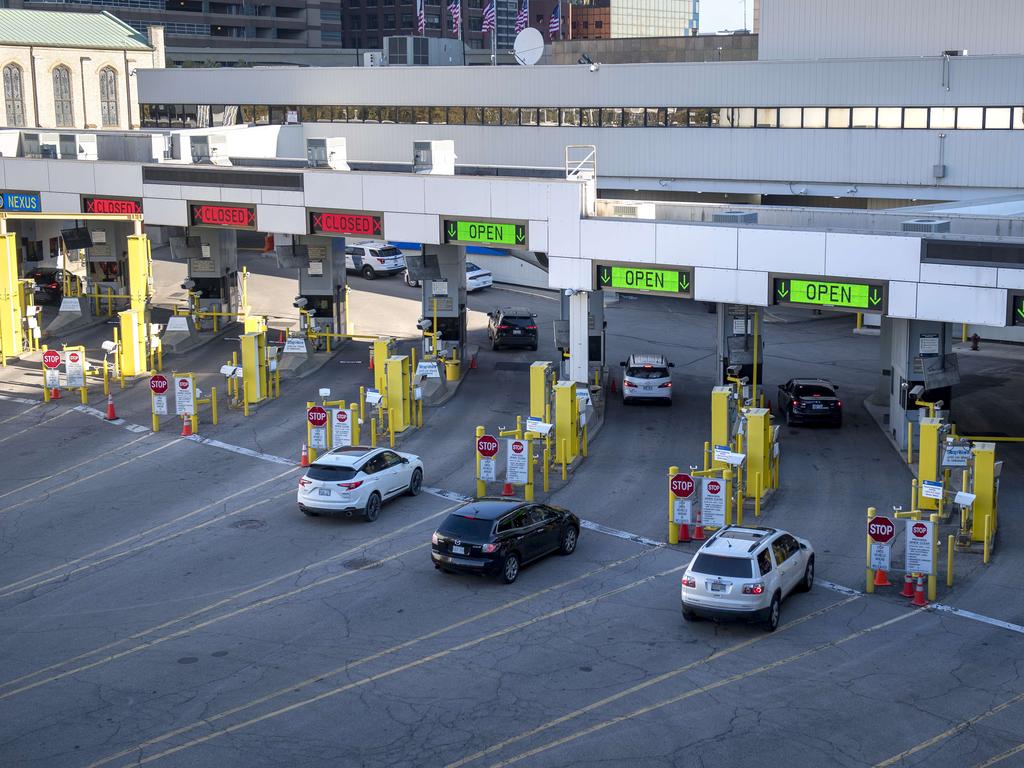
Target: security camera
[109, 346]
[424, 324]
[595, 66]
[734, 370]
[570, 292]
[188, 285]
[916, 392]
[300, 302]
[325, 392]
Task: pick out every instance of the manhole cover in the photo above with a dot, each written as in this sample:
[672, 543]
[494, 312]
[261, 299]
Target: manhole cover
[362, 563]
[252, 525]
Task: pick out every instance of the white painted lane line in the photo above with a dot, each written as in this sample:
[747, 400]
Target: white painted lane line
[242, 451]
[841, 589]
[96, 413]
[590, 526]
[450, 495]
[977, 617]
[23, 400]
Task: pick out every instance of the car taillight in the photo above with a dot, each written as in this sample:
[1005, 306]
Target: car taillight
[503, 327]
[628, 383]
[753, 589]
[689, 581]
[666, 385]
[839, 404]
[381, 261]
[52, 285]
[303, 482]
[489, 548]
[531, 327]
[796, 403]
[350, 486]
[434, 539]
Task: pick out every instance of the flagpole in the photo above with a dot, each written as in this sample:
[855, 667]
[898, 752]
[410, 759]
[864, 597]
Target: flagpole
[494, 35]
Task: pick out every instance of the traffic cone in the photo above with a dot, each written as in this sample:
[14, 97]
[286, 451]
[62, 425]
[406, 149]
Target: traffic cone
[919, 601]
[507, 490]
[698, 529]
[882, 579]
[304, 461]
[472, 363]
[111, 415]
[186, 426]
[371, 361]
[614, 387]
[908, 586]
[55, 394]
[684, 528]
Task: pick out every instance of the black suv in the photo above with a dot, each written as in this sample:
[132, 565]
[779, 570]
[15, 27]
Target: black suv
[806, 400]
[49, 287]
[497, 536]
[512, 327]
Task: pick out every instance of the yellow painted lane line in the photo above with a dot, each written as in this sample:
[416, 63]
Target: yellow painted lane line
[641, 686]
[958, 728]
[295, 687]
[699, 691]
[59, 572]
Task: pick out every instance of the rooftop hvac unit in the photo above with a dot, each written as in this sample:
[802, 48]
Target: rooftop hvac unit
[200, 146]
[734, 217]
[926, 225]
[49, 145]
[87, 147]
[434, 157]
[68, 146]
[330, 152]
[30, 145]
[633, 210]
[218, 144]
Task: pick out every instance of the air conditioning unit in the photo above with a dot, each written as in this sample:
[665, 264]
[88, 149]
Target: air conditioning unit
[734, 217]
[162, 147]
[49, 146]
[68, 146]
[88, 147]
[633, 210]
[926, 225]
[218, 144]
[329, 152]
[200, 146]
[434, 157]
[30, 145]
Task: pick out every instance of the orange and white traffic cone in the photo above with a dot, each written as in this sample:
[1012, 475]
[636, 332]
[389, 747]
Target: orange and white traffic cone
[919, 601]
[111, 415]
[908, 586]
[304, 461]
[472, 363]
[186, 426]
[882, 579]
[55, 394]
[507, 490]
[684, 528]
[698, 528]
[371, 361]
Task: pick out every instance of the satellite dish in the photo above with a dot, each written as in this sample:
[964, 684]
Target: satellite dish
[528, 47]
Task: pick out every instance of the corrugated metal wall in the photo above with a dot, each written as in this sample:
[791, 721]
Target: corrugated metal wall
[848, 29]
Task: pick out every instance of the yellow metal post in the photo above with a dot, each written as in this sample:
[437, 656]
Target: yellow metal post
[547, 465]
[707, 455]
[563, 452]
[727, 479]
[721, 426]
[757, 494]
[869, 585]
[11, 318]
[933, 576]
[673, 527]
[757, 354]
[373, 432]
[528, 491]
[950, 540]
[986, 544]
[910, 442]
[213, 405]
[481, 486]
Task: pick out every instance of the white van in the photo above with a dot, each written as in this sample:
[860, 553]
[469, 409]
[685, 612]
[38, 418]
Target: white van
[373, 257]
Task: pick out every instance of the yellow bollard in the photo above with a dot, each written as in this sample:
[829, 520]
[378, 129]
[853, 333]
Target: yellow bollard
[245, 399]
[110, 301]
[160, 356]
[373, 432]
[963, 333]
[213, 404]
[913, 493]
[869, 584]
[362, 403]
[481, 486]
[565, 451]
[194, 418]
[707, 455]
[910, 442]
[277, 383]
[985, 545]
[949, 559]
[933, 576]
[583, 444]
[758, 491]
[673, 527]
[860, 320]
[156, 423]
[727, 479]
[106, 378]
[547, 464]
[391, 426]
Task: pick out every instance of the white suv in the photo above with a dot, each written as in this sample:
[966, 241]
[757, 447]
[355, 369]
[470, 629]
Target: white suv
[358, 479]
[647, 377]
[746, 572]
[373, 257]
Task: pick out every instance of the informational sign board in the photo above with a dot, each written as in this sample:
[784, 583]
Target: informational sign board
[184, 394]
[644, 278]
[51, 368]
[517, 468]
[478, 232]
[222, 215]
[159, 385]
[721, 452]
[346, 223]
[318, 438]
[682, 511]
[438, 287]
[1017, 310]
[928, 344]
[813, 292]
[294, 345]
[713, 502]
[74, 368]
[537, 426]
[964, 499]
[118, 205]
[920, 544]
[176, 323]
[428, 369]
[21, 201]
[956, 455]
[881, 557]
[488, 470]
[931, 489]
[341, 427]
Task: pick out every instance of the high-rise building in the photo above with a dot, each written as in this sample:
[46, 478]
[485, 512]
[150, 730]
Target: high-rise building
[604, 19]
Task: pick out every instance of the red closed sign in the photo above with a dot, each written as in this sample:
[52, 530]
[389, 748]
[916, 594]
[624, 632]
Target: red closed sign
[682, 485]
[714, 487]
[316, 416]
[158, 384]
[881, 529]
[51, 358]
[487, 446]
[237, 216]
[919, 529]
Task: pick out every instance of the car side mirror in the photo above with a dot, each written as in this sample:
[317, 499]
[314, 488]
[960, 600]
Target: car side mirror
[835, 388]
[623, 365]
[802, 545]
[405, 460]
[671, 365]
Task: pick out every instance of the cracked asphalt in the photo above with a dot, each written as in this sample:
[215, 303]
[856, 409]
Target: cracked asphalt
[163, 602]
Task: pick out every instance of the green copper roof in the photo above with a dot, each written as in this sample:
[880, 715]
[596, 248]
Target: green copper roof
[62, 29]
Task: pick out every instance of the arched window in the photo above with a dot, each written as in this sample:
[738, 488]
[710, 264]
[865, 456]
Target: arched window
[14, 98]
[108, 97]
[62, 110]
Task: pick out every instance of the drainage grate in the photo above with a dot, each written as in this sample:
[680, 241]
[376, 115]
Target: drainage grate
[251, 525]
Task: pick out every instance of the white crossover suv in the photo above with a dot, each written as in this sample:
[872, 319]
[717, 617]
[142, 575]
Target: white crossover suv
[746, 572]
[357, 479]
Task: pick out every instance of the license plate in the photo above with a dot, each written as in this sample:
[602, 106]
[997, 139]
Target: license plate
[458, 550]
[648, 388]
[517, 333]
[324, 491]
[717, 586]
[818, 406]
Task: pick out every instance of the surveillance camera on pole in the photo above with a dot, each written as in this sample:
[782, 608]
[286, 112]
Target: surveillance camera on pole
[300, 302]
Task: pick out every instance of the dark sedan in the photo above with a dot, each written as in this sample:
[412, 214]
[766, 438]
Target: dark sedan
[496, 537]
[49, 288]
[810, 400]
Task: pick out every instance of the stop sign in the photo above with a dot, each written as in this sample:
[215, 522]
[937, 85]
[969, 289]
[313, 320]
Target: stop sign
[919, 529]
[158, 384]
[881, 529]
[74, 357]
[682, 485]
[51, 358]
[517, 447]
[342, 417]
[714, 487]
[317, 416]
[184, 384]
[487, 446]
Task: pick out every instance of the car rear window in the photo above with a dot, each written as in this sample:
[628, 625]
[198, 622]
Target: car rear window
[471, 267]
[647, 372]
[517, 322]
[389, 252]
[814, 390]
[467, 527]
[328, 473]
[716, 565]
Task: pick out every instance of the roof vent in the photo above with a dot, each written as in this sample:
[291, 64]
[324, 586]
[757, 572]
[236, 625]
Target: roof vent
[633, 210]
[926, 225]
[734, 217]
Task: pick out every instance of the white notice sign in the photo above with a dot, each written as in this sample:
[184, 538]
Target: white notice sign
[341, 427]
[920, 541]
[682, 511]
[160, 405]
[928, 344]
[881, 559]
[318, 438]
[713, 502]
[931, 489]
[184, 396]
[438, 287]
[956, 455]
[52, 377]
[176, 323]
[516, 461]
[295, 345]
[69, 304]
[74, 368]
[428, 369]
[487, 469]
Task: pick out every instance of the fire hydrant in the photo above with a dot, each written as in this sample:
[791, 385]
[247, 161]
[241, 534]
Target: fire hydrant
[975, 338]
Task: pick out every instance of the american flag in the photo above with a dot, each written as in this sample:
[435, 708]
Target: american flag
[488, 24]
[455, 9]
[555, 25]
[523, 17]
[421, 18]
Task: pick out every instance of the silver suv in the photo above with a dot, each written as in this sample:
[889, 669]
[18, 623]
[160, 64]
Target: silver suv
[647, 377]
[746, 572]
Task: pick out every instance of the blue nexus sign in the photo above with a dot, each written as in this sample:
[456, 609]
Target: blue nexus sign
[21, 201]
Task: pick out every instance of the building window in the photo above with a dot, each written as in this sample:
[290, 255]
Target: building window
[864, 117]
[943, 118]
[969, 118]
[890, 117]
[997, 118]
[63, 113]
[767, 118]
[814, 117]
[789, 117]
[108, 98]
[14, 98]
[838, 117]
[915, 117]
